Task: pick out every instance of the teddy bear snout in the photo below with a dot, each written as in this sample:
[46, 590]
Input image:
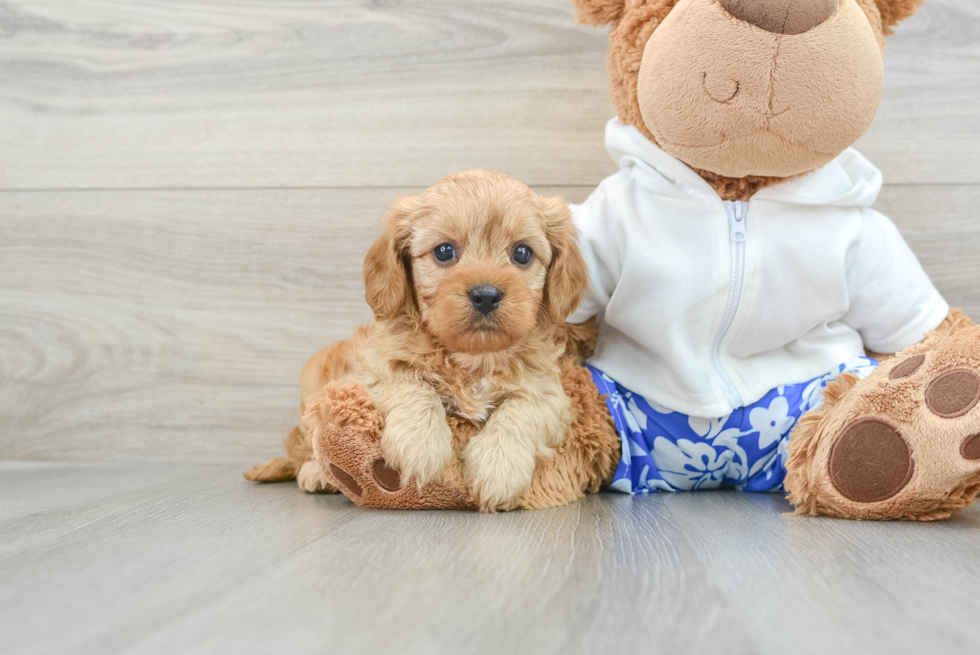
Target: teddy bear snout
[786, 17]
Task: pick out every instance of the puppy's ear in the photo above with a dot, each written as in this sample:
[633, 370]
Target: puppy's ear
[568, 277]
[894, 11]
[598, 12]
[387, 264]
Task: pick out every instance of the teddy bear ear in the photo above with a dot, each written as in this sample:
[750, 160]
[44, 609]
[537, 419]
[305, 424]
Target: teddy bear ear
[602, 12]
[894, 11]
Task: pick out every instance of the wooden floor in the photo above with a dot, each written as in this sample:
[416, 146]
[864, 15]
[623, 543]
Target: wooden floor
[188, 558]
[187, 189]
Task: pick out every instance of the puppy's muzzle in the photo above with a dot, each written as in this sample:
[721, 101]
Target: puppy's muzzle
[485, 298]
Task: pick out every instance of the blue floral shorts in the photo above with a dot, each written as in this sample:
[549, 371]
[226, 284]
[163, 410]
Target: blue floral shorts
[669, 451]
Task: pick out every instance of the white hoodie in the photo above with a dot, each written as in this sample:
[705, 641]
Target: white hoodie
[707, 305]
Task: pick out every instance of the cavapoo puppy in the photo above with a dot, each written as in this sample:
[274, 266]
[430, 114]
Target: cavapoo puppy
[470, 283]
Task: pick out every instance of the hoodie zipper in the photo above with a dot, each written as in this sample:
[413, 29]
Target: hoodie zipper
[737, 213]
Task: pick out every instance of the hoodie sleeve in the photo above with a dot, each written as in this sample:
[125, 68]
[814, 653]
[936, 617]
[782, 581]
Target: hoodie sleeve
[600, 249]
[893, 303]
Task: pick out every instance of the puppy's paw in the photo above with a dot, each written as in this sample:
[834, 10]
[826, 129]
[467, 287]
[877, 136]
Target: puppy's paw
[553, 435]
[420, 447]
[497, 469]
[553, 414]
[312, 479]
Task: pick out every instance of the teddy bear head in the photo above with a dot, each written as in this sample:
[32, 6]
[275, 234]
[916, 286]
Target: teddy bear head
[747, 92]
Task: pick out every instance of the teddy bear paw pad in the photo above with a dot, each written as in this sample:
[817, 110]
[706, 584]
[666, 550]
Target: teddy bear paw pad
[870, 462]
[907, 367]
[387, 478]
[953, 393]
[346, 479]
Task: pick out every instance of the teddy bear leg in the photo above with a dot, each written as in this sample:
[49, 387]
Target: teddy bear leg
[903, 443]
[345, 429]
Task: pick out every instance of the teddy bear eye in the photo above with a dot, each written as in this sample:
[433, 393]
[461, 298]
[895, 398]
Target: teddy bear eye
[523, 255]
[445, 252]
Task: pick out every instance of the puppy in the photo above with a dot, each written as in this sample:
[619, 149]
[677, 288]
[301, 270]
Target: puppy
[469, 283]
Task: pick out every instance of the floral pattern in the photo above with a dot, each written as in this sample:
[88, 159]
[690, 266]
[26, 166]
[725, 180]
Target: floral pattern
[669, 451]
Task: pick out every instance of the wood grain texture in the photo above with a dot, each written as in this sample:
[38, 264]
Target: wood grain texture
[173, 324]
[330, 93]
[190, 559]
[208, 93]
[926, 130]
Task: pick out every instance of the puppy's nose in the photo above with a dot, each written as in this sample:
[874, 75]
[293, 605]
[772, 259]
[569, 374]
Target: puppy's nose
[782, 16]
[485, 298]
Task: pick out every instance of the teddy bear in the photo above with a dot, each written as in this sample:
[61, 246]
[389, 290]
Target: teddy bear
[751, 321]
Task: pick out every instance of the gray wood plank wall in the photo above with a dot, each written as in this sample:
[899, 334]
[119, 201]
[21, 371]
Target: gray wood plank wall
[187, 188]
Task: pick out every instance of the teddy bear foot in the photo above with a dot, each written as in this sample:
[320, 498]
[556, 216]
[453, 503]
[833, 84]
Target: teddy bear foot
[353, 457]
[903, 443]
[347, 448]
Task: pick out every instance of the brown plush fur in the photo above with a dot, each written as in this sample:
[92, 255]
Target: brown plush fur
[431, 353]
[634, 22]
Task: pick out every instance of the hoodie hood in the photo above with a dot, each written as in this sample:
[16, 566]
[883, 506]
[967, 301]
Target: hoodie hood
[850, 180]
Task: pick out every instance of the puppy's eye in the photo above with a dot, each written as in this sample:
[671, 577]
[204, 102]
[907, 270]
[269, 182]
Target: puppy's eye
[445, 252]
[523, 255]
